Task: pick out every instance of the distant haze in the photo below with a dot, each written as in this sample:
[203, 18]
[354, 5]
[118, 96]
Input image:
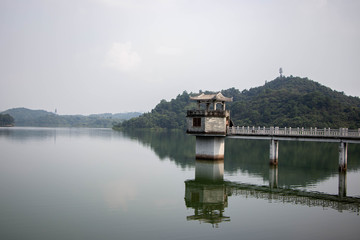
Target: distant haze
[96, 56]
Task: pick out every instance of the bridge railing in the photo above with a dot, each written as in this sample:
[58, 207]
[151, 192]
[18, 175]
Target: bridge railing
[320, 132]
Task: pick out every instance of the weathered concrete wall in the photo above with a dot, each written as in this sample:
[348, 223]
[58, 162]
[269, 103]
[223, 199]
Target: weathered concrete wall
[210, 147]
[191, 128]
[212, 125]
[215, 124]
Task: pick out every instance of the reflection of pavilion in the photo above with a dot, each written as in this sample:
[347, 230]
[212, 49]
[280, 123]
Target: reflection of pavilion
[208, 200]
[208, 193]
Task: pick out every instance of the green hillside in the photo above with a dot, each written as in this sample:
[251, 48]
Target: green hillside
[41, 118]
[283, 102]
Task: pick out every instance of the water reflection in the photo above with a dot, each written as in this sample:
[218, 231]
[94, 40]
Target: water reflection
[342, 184]
[302, 164]
[208, 193]
[273, 176]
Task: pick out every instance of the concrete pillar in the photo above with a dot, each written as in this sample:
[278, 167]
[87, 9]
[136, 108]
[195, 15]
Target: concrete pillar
[343, 146]
[274, 151]
[210, 147]
[273, 176]
[342, 184]
[209, 170]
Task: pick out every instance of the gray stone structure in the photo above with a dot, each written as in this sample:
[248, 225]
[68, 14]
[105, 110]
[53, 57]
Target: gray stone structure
[209, 124]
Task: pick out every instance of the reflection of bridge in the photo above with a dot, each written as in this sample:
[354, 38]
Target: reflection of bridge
[208, 193]
[217, 193]
[311, 199]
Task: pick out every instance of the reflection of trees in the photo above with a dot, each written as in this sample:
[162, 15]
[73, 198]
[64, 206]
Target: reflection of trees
[175, 145]
[300, 163]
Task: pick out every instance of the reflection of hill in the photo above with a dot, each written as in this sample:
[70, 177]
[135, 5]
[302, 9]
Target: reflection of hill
[175, 145]
[42, 134]
[300, 163]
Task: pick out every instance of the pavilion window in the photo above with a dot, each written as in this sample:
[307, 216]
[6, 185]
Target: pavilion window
[196, 122]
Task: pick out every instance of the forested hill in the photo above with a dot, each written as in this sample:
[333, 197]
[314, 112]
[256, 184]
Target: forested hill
[284, 102]
[41, 118]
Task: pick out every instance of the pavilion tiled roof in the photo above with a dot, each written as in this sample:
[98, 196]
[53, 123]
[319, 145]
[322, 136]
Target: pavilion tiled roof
[217, 97]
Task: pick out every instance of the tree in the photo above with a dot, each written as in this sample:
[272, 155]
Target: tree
[6, 120]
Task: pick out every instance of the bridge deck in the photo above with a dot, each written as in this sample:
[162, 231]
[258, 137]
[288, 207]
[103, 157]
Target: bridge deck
[297, 134]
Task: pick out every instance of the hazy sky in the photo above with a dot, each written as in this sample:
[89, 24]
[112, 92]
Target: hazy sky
[96, 56]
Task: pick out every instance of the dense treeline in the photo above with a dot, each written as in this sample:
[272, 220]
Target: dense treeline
[6, 120]
[171, 115]
[284, 102]
[41, 118]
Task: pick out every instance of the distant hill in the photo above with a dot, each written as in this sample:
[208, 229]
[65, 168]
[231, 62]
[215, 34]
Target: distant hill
[41, 118]
[284, 102]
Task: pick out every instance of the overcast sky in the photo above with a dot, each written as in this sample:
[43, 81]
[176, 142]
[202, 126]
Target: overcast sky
[96, 56]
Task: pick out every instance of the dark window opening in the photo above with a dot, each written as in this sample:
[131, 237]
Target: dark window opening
[196, 122]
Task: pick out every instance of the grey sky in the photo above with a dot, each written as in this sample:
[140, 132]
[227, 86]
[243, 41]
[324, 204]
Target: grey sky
[100, 56]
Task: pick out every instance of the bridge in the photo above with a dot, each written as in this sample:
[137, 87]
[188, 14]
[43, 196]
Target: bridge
[212, 125]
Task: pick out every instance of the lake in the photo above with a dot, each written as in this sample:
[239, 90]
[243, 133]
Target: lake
[78, 183]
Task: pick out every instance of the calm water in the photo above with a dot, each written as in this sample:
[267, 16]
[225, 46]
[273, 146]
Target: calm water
[100, 184]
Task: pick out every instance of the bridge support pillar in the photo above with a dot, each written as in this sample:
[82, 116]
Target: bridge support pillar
[208, 147]
[343, 146]
[274, 152]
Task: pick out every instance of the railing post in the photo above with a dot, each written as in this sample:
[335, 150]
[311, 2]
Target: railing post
[289, 130]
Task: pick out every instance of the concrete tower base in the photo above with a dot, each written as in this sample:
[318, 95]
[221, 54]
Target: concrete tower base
[210, 148]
